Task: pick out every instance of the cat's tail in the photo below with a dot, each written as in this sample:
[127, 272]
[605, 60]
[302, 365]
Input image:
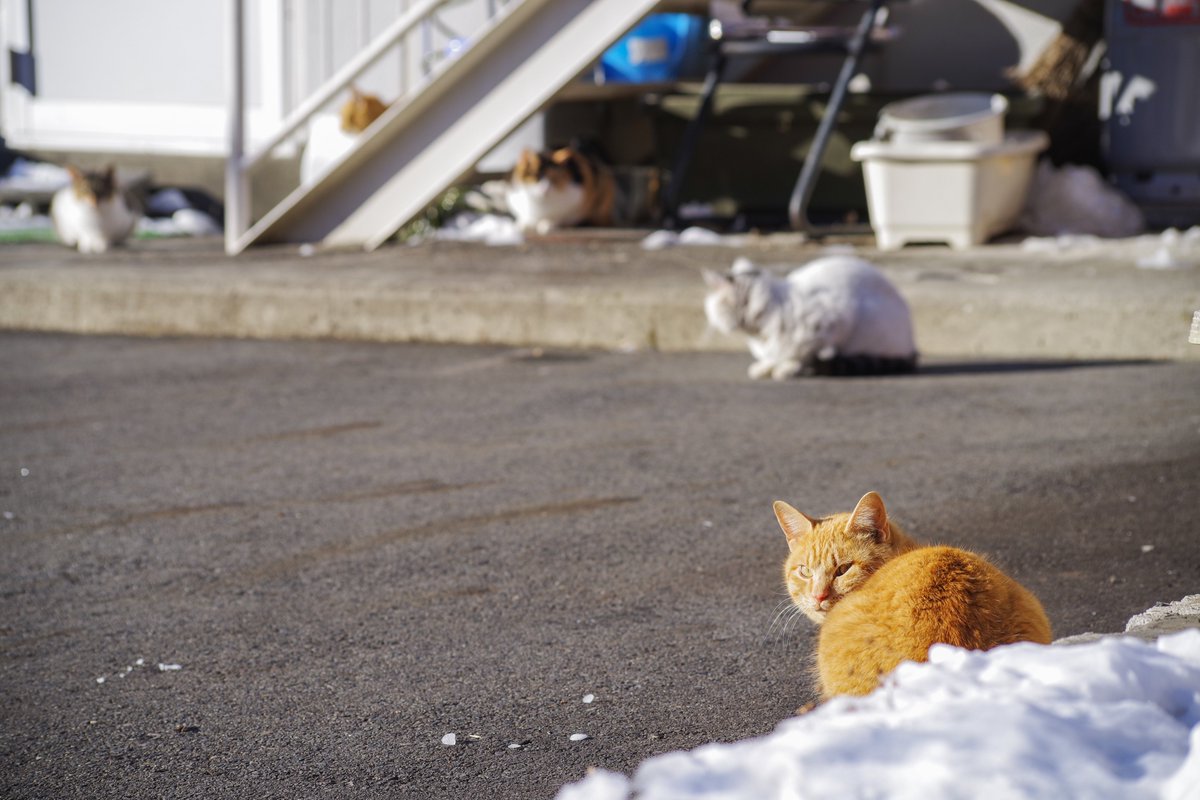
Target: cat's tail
[863, 365]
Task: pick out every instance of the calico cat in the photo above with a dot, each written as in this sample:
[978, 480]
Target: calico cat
[881, 598]
[560, 189]
[360, 111]
[831, 557]
[93, 213]
[837, 315]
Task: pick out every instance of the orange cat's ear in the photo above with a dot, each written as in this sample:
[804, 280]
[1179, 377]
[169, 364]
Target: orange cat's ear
[562, 155]
[795, 525]
[527, 164]
[869, 516]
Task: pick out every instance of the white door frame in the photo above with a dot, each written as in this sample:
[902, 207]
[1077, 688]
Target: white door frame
[32, 122]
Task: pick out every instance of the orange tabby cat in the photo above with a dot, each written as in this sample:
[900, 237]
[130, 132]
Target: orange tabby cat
[831, 557]
[881, 598]
[360, 111]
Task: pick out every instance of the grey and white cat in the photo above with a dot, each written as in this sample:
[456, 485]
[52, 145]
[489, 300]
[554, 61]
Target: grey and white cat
[836, 315]
[93, 213]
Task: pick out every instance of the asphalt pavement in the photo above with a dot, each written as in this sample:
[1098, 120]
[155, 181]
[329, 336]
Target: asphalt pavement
[288, 569]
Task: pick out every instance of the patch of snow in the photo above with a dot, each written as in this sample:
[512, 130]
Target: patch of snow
[578, 737]
[1116, 717]
[1063, 243]
[695, 236]
[169, 667]
[184, 222]
[1188, 607]
[491, 229]
[22, 218]
[599, 784]
[589, 698]
[449, 740]
[1170, 249]
[28, 177]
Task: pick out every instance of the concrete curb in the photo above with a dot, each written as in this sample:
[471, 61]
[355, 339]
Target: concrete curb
[1161, 620]
[994, 302]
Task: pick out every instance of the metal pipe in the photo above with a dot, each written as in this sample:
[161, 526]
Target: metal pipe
[237, 210]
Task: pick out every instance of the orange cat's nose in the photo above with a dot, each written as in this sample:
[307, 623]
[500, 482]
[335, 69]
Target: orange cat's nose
[820, 595]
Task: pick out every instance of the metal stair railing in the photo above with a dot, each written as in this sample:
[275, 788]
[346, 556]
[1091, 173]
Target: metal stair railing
[239, 162]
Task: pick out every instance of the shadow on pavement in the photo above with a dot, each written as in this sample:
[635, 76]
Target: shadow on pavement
[1024, 365]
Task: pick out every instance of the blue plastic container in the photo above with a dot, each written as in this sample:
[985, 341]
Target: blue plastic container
[662, 47]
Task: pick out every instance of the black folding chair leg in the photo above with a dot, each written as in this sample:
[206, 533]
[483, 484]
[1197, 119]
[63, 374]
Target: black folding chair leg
[802, 193]
[691, 136]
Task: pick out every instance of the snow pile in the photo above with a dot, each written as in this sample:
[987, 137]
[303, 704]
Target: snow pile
[1113, 718]
[1077, 200]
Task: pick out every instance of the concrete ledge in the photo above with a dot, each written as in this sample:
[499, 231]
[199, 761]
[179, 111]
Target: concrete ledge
[577, 292]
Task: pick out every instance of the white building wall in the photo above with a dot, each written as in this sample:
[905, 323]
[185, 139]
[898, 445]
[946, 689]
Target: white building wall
[147, 76]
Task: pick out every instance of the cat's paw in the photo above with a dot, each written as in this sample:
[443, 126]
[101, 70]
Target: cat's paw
[92, 246]
[543, 227]
[759, 370]
[785, 370]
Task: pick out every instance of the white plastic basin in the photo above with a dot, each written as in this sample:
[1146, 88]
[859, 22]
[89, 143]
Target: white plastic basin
[957, 192]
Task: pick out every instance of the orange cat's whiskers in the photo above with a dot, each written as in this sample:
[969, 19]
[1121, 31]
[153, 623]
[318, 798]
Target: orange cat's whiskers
[784, 613]
[785, 619]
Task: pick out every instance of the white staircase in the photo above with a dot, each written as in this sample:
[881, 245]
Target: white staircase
[434, 135]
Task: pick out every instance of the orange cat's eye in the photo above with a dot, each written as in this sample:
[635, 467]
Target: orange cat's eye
[803, 571]
[843, 569]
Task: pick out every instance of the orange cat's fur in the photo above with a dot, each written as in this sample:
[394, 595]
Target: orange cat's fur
[918, 597]
[360, 111]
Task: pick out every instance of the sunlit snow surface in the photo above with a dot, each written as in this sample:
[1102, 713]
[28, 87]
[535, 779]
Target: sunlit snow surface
[1114, 718]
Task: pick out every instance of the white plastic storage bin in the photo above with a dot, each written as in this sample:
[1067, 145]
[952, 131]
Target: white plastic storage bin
[961, 193]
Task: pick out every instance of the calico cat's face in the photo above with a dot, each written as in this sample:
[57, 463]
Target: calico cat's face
[93, 186]
[544, 172]
[831, 557]
[547, 191]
